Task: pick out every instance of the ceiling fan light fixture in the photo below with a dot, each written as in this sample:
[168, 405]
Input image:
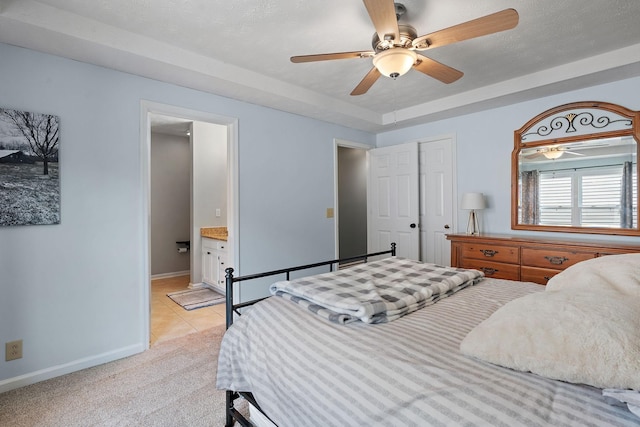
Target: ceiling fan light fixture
[394, 62]
[552, 154]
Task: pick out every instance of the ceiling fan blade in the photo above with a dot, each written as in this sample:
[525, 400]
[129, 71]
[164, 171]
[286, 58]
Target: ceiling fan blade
[573, 152]
[330, 56]
[383, 16]
[494, 23]
[367, 82]
[438, 71]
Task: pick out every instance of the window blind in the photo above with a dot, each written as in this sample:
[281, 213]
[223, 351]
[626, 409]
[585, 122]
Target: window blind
[587, 197]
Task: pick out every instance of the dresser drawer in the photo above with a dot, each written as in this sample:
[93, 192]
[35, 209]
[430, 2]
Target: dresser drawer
[537, 274]
[495, 270]
[489, 252]
[555, 259]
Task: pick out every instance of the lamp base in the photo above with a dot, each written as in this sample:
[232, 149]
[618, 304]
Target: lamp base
[473, 229]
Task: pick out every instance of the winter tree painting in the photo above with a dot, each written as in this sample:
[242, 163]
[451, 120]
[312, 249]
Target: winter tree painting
[29, 178]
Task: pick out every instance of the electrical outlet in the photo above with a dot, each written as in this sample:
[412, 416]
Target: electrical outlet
[329, 212]
[13, 350]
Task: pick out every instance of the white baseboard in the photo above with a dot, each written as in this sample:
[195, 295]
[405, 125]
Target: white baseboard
[170, 275]
[197, 285]
[201, 285]
[67, 368]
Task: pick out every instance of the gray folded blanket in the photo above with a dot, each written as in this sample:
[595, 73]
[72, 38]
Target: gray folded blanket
[376, 292]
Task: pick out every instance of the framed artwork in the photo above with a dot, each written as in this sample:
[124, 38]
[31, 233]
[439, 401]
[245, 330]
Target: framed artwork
[29, 174]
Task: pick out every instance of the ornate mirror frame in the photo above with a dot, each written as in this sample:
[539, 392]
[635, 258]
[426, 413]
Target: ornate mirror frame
[578, 123]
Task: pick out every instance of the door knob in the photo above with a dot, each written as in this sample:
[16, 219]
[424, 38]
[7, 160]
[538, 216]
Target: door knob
[413, 225]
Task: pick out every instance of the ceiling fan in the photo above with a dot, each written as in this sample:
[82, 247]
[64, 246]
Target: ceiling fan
[552, 152]
[395, 45]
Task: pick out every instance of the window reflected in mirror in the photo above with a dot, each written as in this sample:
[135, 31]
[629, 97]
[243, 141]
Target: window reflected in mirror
[580, 184]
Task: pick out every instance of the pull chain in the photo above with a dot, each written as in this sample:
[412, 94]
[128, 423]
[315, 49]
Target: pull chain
[394, 105]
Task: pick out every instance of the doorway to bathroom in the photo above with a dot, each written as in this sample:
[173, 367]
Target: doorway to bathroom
[189, 179]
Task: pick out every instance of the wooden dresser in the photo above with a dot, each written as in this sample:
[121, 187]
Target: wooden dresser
[528, 259]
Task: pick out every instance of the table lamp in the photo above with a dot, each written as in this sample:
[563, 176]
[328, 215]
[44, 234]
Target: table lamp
[473, 202]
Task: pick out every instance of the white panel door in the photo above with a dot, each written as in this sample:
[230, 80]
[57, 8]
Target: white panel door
[436, 200]
[393, 200]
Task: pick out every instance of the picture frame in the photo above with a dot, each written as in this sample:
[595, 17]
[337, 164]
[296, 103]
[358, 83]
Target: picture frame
[29, 168]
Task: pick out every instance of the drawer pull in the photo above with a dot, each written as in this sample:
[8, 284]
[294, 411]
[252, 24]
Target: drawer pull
[488, 252]
[556, 260]
[488, 271]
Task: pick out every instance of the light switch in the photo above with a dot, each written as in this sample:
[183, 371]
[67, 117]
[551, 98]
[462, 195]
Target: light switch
[329, 212]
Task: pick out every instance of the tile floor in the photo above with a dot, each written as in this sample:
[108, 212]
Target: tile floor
[169, 320]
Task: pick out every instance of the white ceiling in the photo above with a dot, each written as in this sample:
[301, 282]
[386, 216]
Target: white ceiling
[240, 49]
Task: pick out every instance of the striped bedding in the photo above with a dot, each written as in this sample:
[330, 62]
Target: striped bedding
[306, 371]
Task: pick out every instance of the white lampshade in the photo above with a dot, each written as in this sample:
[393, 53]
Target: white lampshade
[473, 201]
[394, 62]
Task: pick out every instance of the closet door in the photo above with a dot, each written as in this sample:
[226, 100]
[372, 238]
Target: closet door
[437, 199]
[393, 200]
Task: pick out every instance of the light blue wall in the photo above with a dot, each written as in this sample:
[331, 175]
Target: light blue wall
[485, 142]
[73, 292]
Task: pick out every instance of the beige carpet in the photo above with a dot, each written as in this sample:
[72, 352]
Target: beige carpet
[171, 384]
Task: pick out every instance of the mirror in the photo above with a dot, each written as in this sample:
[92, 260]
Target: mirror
[575, 169]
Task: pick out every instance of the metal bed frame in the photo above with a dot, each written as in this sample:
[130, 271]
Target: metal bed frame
[232, 413]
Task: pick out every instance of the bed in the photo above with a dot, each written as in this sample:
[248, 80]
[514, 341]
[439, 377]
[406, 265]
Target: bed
[441, 363]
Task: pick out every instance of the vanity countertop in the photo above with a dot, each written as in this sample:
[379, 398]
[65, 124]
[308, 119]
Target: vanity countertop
[218, 233]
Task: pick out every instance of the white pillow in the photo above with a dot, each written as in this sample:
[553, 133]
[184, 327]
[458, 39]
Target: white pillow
[617, 272]
[579, 337]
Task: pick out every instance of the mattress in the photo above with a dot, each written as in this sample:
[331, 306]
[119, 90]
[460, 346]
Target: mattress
[306, 371]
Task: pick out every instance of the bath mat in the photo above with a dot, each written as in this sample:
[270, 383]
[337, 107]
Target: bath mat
[196, 298]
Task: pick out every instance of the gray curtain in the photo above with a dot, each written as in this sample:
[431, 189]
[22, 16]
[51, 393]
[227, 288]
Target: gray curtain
[530, 205]
[626, 196]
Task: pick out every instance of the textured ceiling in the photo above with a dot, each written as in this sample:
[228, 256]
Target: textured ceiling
[241, 49]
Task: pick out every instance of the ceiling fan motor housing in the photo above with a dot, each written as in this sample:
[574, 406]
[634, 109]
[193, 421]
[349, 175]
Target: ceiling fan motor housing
[407, 34]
